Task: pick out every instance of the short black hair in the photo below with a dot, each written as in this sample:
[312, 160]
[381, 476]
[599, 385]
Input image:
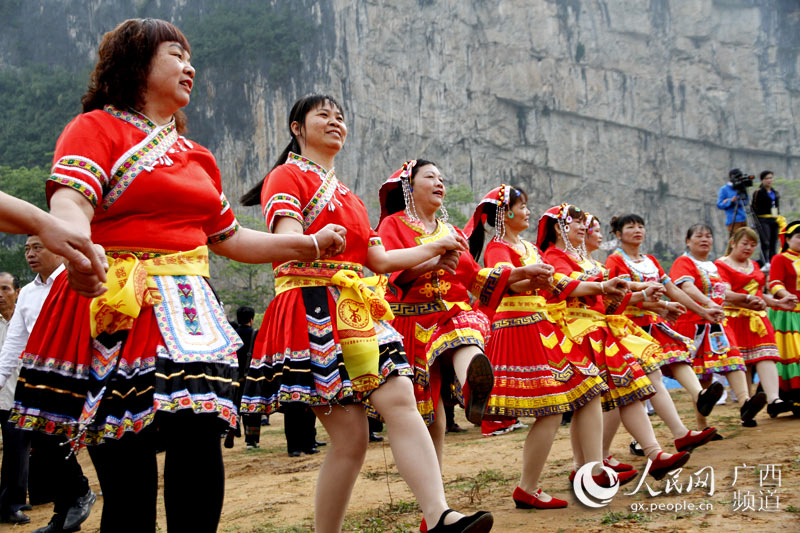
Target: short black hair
[14, 279]
[245, 314]
[765, 174]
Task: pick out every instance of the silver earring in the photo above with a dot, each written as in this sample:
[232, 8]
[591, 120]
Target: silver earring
[408, 198]
[445, 216]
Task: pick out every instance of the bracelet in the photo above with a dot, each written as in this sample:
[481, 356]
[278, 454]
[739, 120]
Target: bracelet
[316, 244]
[644, 295]
[602, 287]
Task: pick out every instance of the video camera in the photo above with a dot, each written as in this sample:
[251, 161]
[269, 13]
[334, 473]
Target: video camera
[739, 181]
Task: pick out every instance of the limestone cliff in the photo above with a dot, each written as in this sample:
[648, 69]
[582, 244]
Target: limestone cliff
[615, 105]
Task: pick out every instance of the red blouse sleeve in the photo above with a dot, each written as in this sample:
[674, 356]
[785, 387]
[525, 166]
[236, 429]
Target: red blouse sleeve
[282, 196]
[498, 253]
[777, 273]
[83, 157]
[683, 270]
[221, 227]
[616, 267]
[392, 235]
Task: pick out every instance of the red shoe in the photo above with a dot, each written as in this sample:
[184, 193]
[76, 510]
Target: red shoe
[621, 467]
[624, 477]
[423, 527]
[689, 442]
[661, 467]
[523, 500]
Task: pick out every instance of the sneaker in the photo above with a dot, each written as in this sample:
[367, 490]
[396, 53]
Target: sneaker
[518, 425]
[251, 446]
[498, 432]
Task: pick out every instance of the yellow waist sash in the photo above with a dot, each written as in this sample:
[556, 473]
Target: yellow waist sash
[529, 303]
[356, 308]
[756, 318]
[131, 286]
[581, 322]
[634, 311]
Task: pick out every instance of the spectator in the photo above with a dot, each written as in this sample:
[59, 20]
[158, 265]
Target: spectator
[766, 204]
[730, 201]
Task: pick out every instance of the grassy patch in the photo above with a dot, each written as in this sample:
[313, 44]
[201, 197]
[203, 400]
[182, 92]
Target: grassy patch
[397, 517]
[613, 517]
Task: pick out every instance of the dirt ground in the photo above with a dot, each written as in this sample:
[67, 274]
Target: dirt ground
[266, 491]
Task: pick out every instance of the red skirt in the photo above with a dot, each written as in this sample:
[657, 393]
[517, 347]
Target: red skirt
[707, 359]
[297, 356]
[751, 345]
[537, 371]
[429, 337]
[61, 364]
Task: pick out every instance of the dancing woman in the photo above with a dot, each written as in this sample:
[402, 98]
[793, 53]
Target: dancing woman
[629, 263]
[699, 277]
[325, 340]
[538, 371]
[784, 285]
[609, 340]
[151, 348]
[745, 309]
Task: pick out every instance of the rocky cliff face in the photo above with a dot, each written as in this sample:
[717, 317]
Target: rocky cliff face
[614, 105]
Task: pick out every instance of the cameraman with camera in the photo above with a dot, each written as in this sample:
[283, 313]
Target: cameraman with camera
[732, 199]
[766, 202]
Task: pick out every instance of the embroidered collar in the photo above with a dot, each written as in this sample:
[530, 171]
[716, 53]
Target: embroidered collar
[134, 118]
[644, 268]
[306, 165]
[706, 266]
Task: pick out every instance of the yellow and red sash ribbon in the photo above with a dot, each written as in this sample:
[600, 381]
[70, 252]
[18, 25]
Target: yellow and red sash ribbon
[756, 318]
[131, 286]
[360, 302]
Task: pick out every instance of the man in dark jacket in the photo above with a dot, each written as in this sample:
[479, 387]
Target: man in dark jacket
[765, 205]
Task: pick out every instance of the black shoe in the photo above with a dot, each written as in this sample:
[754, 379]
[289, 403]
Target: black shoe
[750, 409]
[311, 451]
[228, 443]
[26, 507]
[480, 382]
[795, 407]
[79, 511]
[480, 522]
[318, 444]
[16, 517]
[455, 428]
[295, 453]
[636, 449]
[709, 397]
[56, 525]
[375, 438]
[716, 436]
[777, 407]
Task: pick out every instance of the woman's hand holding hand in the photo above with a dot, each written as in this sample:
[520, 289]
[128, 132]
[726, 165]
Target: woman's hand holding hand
[673, 311]
[540, 275]
[83, 279]
[331, 240]
[452, 242]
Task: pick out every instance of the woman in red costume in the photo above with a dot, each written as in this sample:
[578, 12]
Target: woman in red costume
[538, 371]
[745, 309]
[784, 285]
[699, 277]
[675, 350]
[325, 340]
[608, 340]
[151, 347]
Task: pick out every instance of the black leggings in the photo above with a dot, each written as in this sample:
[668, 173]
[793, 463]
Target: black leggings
[194, 476]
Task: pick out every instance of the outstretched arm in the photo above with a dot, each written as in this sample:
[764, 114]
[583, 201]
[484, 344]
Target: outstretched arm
[73, 242]
[288, 242]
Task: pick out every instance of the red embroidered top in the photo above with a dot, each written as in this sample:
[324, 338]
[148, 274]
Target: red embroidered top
[704, 276]
[152, 189]
[750, 283]
[398, 232]
[564, 264]
[303, 190]
[783, 272]
[502, 253]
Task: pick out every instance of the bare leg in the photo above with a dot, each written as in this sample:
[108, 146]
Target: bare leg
[348, 432]
[665, 408]
[634, 418]
[738, 382]
[462, 357]
[535, 451]
[412, 447]
[768, 375]
[688, 380]
[437, 430]
[749, 378]
[611, 422]
[587, 424]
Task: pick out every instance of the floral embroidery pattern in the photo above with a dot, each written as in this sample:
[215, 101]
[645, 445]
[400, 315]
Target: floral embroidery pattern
[189, 309]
